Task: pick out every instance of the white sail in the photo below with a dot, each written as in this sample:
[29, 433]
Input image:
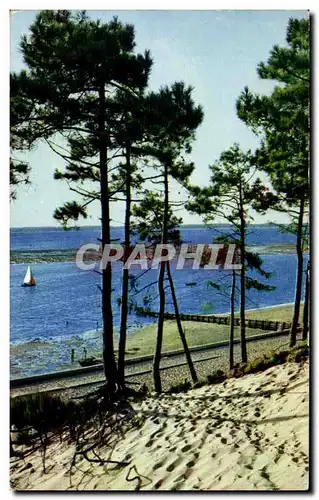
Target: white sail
[29, 279]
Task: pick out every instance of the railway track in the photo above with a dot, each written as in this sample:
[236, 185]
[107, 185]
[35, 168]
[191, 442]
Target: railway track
[135, 367]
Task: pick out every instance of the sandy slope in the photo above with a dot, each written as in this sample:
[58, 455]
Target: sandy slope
[245, 434]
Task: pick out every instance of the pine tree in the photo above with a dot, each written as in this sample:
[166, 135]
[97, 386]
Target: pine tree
[74, 64]
[230, 195]
[173, 120]
[21, 108]
[282, 121]
[149, 218]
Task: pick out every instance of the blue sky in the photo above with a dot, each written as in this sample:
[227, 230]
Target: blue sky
[216, 52]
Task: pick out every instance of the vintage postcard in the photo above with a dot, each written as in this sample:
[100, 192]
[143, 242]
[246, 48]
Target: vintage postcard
[160, 255]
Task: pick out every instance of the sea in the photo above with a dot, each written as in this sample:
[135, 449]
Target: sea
[63, 311]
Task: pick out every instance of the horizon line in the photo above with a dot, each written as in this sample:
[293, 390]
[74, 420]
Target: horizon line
[118, 226]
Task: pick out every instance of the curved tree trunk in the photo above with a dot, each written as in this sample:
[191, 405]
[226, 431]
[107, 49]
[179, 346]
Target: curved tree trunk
[161, 291]
[305, 322]
[295, 318]
[107, 314]
[232, 321]
[125, 273]
[180, 327]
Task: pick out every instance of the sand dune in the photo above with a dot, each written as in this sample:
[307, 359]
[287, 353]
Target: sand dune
[245, 434]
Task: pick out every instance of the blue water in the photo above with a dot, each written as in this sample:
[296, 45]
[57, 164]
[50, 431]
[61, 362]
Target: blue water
[57, 239]
[64, 306]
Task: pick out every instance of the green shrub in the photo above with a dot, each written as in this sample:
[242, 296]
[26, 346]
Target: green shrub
[257, 365]
[278, 358]
[199, 384]
[238, 370]
[216, 377]
[182, 387]
[299, 353]
[301, 345]
[40, 411]
[23, 437]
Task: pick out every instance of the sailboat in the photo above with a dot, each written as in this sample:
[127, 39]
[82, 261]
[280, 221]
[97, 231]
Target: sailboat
[28, 279]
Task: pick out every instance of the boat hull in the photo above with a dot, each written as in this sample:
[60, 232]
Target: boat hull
[90, 361]
[27, 284]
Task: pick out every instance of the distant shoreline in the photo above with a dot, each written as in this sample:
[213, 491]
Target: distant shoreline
[286, 304]
[217, 224]
[68, 255]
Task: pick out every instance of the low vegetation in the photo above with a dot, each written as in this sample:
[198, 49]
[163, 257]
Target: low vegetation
[94, 423]
[142, 342]
[40, 417]
[43, 412]
[283, 314]
[297, 354]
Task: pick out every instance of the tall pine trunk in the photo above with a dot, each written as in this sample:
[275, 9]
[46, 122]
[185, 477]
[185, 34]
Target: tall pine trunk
[242, 283]
[125, 273]
[179, 326]
[160, 325]
[305, 319]
[232, 320]
[12, 453]
[161, 291]
[107, 314]
[295, 318]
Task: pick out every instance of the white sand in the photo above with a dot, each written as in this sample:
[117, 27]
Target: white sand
[231, 436]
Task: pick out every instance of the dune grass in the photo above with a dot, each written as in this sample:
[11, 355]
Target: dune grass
[282, 314]
[142, 342]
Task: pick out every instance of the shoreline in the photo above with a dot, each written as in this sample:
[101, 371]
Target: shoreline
[37, 341]
[262, 308]
[140, 342]
[286, 304]
[39, 256]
